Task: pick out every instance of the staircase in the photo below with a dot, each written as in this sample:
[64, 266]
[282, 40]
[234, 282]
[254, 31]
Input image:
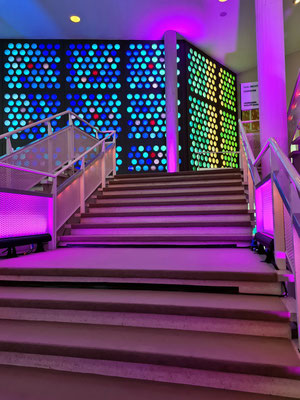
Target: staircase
[194, 315]
[203, 208]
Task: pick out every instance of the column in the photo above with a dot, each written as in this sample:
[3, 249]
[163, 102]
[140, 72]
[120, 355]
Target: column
[271, 74]
[171, 100]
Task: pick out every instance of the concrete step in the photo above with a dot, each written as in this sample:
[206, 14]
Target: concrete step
[233, 269]
[203, 312]
[170, 178]
[167, 220]
[173, 200]
[39, 382]
[265, 356]
[183, 174]
[165, 231]
[167, 210]
[115, 185]
[228, 190]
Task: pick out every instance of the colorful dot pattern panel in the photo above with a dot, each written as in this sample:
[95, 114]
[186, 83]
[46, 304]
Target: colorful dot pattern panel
[101, 111]
[229, 139]
[93, 66]
[147, 158]
[203, 134]
[146, 66]
[227, 90]
[32, 66]
[147, 116]
[22, 109]
[202, 76]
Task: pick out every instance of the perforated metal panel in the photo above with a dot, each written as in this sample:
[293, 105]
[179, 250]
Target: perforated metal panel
[22, 214]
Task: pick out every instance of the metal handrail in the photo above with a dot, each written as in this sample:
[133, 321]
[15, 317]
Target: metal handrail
[273, 145]
[81, 156]
[42, 121]
[48, 174]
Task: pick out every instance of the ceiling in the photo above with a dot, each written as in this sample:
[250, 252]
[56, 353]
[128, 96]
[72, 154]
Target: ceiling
[229, 38]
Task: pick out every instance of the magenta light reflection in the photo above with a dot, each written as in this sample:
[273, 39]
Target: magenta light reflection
[264, 208]
[24, 214]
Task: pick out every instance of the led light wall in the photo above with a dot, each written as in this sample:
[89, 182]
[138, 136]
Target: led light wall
[208, 111]
[121, 86]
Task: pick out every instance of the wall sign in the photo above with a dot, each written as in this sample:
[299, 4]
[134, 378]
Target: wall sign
[249, 96]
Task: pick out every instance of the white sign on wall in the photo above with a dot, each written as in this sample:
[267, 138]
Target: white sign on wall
[249, 96]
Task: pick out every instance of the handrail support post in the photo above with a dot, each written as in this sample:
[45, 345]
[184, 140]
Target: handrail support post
[82, 184]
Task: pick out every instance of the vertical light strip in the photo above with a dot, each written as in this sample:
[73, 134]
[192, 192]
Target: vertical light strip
[171, 100]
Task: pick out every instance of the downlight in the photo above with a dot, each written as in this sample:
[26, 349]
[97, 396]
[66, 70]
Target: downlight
[75, 19]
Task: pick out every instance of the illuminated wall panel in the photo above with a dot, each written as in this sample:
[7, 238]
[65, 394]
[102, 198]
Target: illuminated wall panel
[147, 158]
[147, 116]
[121, 86]
[145, 65]
[20, 109]
[93, 66]
[145, 107]
[32, 65]
[101, 111]
[208, 111]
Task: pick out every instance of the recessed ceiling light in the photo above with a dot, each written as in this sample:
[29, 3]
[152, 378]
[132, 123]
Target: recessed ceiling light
[223, 1]
[75, 18]
[296, 2]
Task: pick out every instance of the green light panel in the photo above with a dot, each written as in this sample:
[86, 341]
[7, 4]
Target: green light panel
[203, 134]
[229, 139]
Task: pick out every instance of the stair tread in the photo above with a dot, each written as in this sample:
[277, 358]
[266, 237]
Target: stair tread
[60, 385]
[234, 353]
[173, 200]
[113, 185]
[201, 304]
[183, 174]
[172, 192]
[165, 219]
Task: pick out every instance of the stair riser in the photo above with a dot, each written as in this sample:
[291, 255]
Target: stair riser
[63, 378]
[182, 174]
[164, 359]
[142, 320]
[175, 179]
[179, 200]
[247, 287]
[172, 192]
[171, 210]
[167, 232]
[171, 185]
[185, 219]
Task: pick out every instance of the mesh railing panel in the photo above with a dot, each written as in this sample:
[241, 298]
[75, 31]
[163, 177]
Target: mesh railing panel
[44, 155]
[24, 214]
[17, 179]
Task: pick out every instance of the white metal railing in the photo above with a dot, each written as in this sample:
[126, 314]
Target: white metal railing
[276, 202]
[82, 163]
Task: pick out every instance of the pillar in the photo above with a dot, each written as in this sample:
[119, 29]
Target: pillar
[271, 74]
[170, 40]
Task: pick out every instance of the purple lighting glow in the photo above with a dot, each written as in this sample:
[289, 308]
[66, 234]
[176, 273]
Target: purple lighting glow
[24, 214]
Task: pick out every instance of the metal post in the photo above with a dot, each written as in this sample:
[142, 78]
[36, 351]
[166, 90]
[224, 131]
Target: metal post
[171, 91]
[49, 128]
[82, 191]
[9, 149]
[278, 222]
[103, 169]
[251, 195]
[53, 221]
[114, 154]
